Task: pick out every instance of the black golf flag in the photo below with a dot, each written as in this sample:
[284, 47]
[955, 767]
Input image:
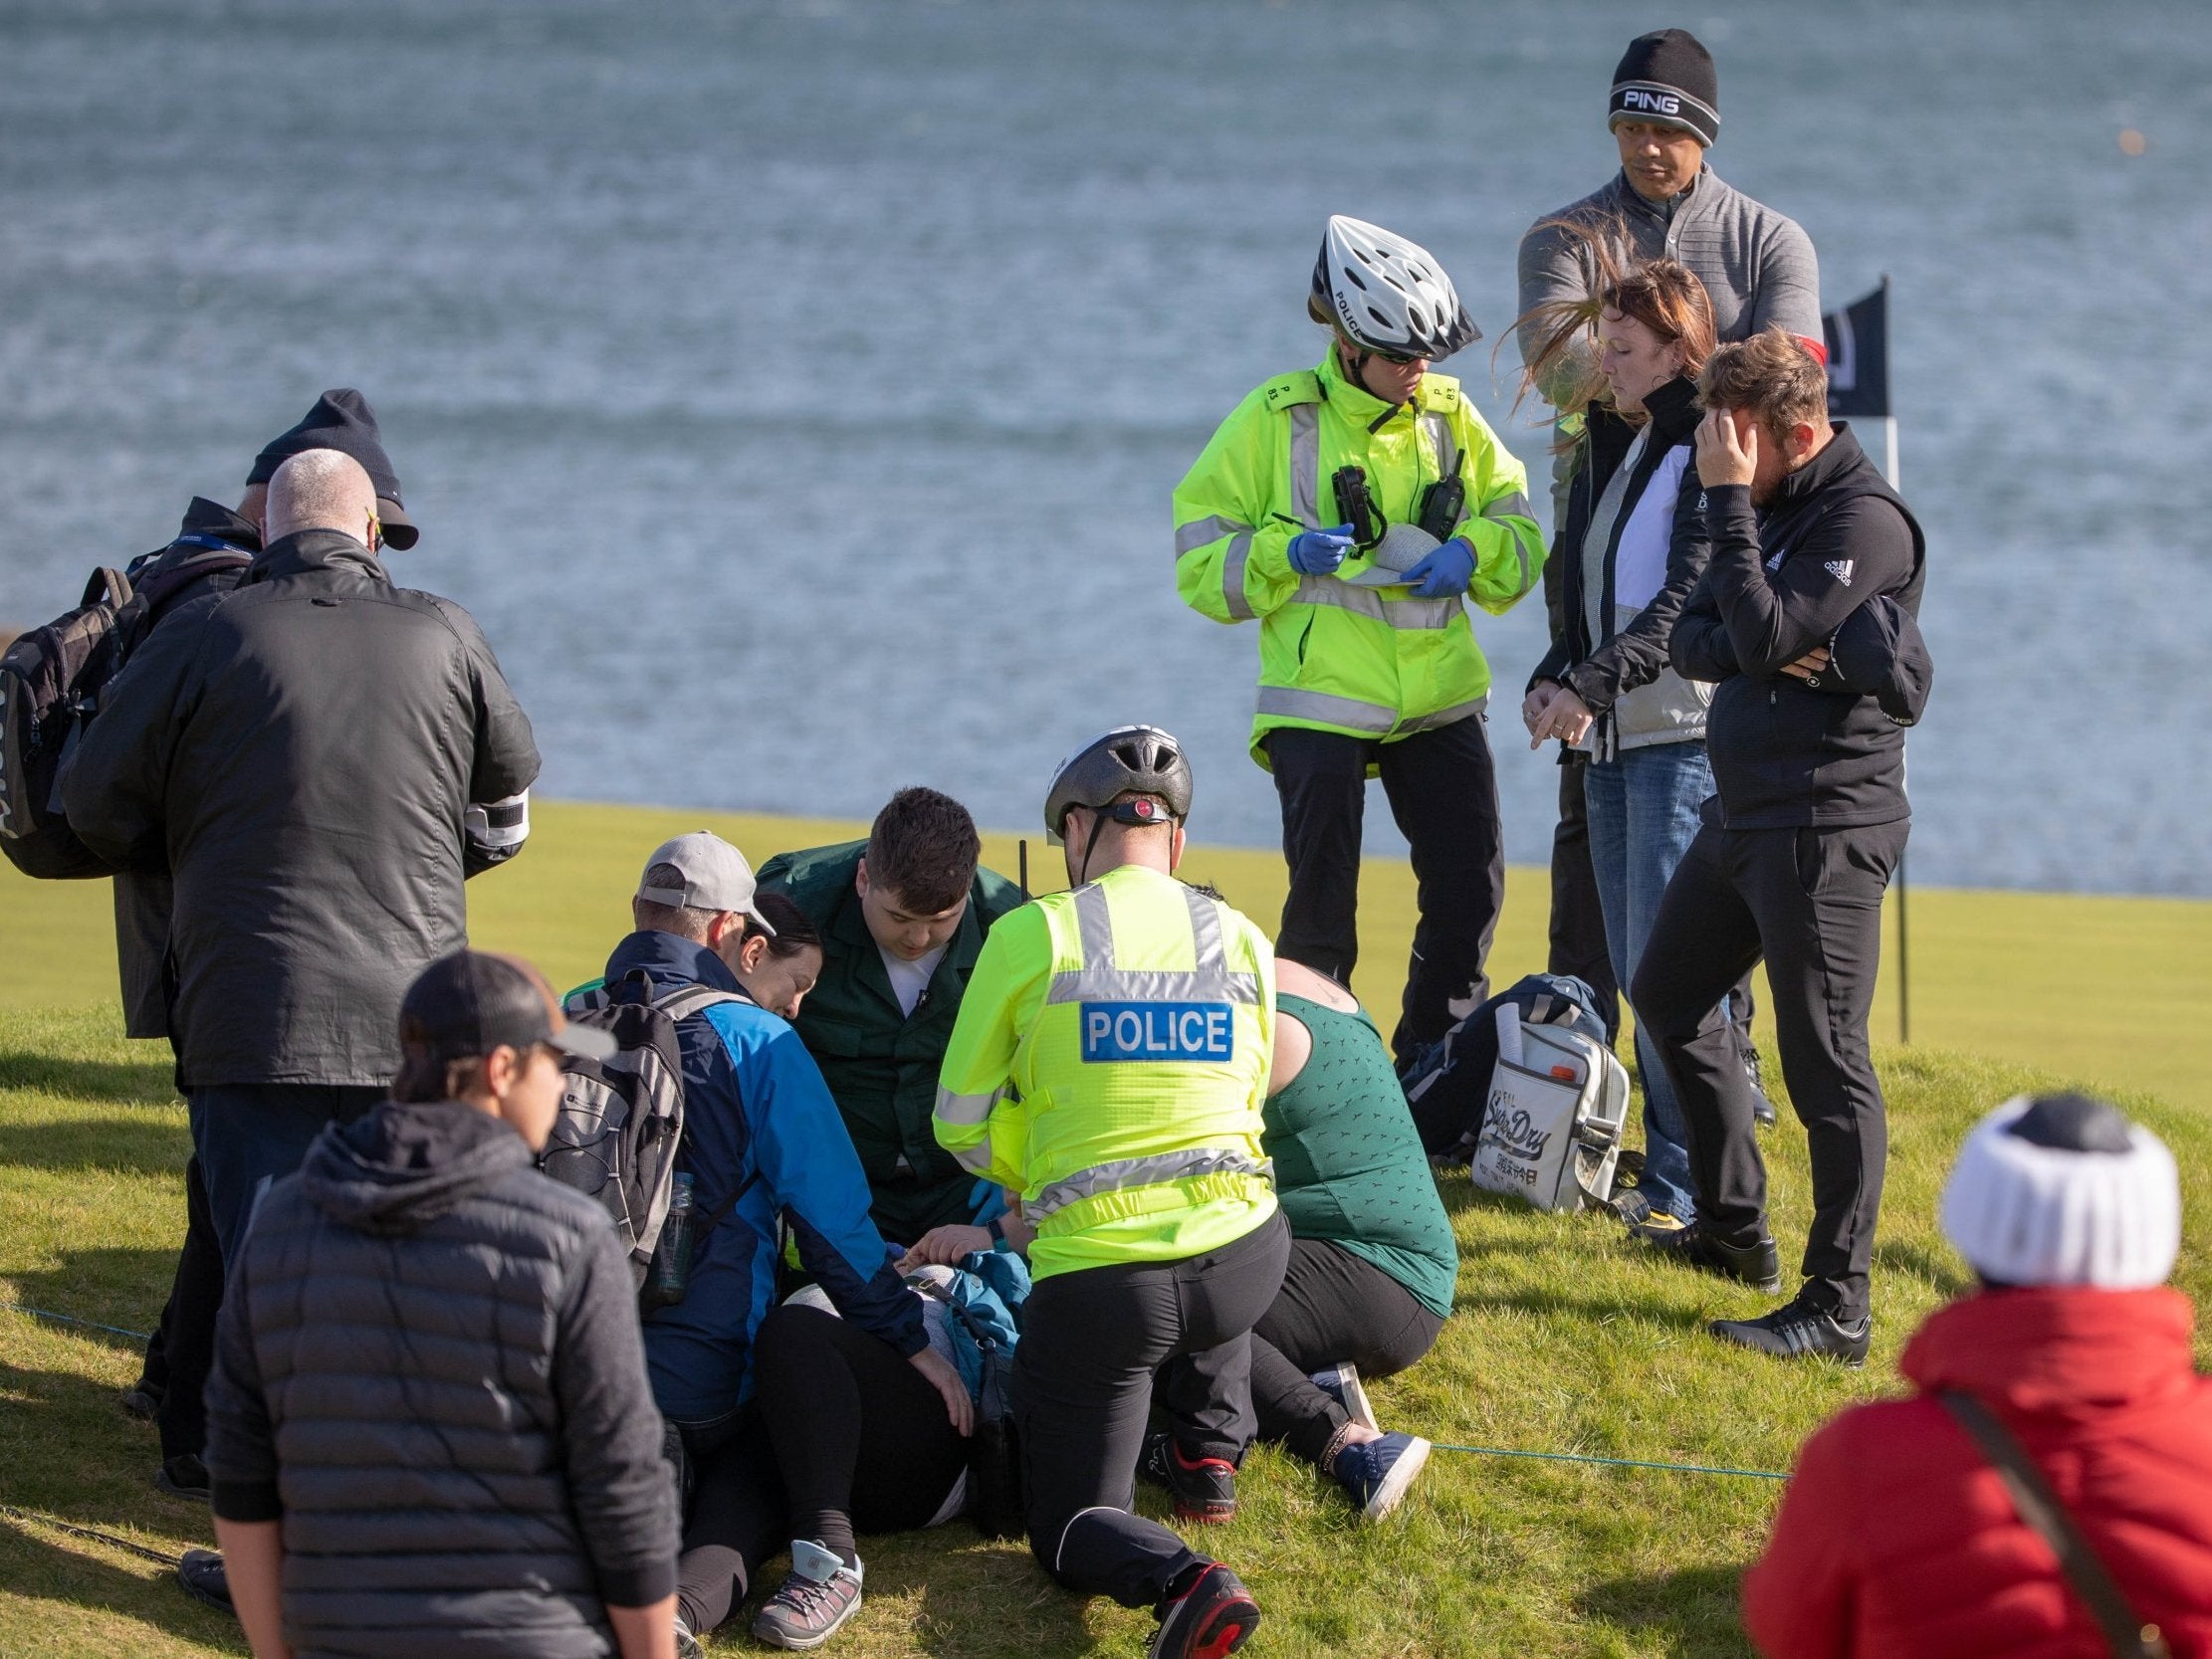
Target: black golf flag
[1859, 355]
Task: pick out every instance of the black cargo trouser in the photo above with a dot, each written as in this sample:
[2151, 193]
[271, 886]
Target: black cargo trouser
[1443, 792]
[1578, 937]
[1809, 901]
[1100, 1346]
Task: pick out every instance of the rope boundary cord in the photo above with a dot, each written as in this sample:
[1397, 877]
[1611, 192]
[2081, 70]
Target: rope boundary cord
[1615, 1462]
[39, 1517]
[71, 1319]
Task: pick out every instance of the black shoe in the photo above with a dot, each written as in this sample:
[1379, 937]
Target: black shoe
[139, 1401]
[1214, 1617]
[1799, 1330]
[204, 1578]
[1762, 1111]
[1204, 1489]
[184, 1476]
[1756, 1265]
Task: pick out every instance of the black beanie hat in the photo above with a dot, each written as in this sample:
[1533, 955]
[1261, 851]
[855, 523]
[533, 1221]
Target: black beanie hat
[1667, 78]
[343, 420]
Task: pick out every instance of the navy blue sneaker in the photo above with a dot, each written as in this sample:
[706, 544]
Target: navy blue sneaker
[1341, 1383]
[205, 1579]
[1212, 1619]
[1376, 1474]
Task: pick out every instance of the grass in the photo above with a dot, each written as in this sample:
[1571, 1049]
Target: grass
[1564, 1339]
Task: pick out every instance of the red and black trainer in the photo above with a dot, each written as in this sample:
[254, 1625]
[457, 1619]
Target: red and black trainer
[1204, 1489]
[1210, 1620]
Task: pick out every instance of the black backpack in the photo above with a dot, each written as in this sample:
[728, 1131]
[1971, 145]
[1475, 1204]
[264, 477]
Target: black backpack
[621, 1120]
[52, 680]
[1448, 1083]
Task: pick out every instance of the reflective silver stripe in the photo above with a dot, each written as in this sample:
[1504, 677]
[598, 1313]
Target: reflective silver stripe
[1333, 711]
[1447, 717]
[1409, 614]
[1232, 578]
[1099, 980]
[1199, 532]
[1448, 447]
[963, 1108]
[1127, 1172]
[1514, 506]
[1305, 464]
[976, 1158]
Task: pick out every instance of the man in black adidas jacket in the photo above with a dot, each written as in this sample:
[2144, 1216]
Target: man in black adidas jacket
[1799, 843]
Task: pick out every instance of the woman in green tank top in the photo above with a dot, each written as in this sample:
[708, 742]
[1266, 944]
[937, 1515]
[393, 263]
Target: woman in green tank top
[1372, 1259]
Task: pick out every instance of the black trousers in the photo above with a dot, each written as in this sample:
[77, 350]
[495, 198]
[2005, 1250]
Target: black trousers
[738, 1521]
[860, 1435]
[1578, 937]
[1099, 1348]
[1443, 792]
[1809, 901]
[1333, 1305]
[183, 1350]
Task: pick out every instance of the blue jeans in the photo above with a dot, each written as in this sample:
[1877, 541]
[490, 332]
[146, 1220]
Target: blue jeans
[249, 1134]
[1642, 811]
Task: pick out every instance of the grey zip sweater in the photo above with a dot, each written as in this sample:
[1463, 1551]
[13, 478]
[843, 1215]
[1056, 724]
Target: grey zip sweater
[1757, 266]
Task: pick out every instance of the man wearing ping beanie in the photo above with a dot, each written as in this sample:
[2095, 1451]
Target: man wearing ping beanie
[1896, 1534]
[1758, 268]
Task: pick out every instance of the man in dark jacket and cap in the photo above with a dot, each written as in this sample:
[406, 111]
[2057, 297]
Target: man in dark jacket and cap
[430, 1427]
[209, 554]
[316, 759]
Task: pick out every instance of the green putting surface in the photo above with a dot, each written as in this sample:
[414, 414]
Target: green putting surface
[2103, 991]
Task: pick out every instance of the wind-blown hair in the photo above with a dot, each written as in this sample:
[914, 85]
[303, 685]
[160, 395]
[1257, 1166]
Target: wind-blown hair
[1661, 293]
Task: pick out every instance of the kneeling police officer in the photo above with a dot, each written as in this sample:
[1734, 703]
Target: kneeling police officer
[1109, 1067]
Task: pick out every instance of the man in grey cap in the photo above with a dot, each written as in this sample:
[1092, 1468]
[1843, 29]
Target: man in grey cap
[766, 1151]
[1758, 268]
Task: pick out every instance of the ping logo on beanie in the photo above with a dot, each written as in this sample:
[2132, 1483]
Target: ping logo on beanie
[1668, 77]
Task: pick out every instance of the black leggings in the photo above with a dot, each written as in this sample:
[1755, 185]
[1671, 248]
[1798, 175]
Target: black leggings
[736, 1524]
[861, 1436]
[1333, 1305]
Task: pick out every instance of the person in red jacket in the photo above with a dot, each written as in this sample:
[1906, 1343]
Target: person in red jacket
[1897, 1535]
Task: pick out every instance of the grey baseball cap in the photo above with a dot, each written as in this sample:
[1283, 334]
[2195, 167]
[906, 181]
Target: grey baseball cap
[715, 877]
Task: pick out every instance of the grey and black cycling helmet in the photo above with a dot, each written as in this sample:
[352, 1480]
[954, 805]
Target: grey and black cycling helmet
[1387, 293]
[1141, 759]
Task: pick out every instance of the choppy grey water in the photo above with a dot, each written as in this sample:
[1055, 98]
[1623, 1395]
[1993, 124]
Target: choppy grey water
[794, 390]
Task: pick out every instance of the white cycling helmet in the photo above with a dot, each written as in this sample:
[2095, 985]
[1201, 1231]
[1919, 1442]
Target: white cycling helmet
[1387, 293]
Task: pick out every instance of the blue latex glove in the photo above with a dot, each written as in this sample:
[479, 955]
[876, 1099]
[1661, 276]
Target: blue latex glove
[1444, 573]
[1319, 552]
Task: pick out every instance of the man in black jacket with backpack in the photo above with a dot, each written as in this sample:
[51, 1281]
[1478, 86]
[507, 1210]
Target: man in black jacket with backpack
[309, 757]
[209, 554]
[1799, 843]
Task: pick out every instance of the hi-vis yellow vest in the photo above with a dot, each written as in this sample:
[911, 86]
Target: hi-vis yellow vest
[1110, 1063]
[1367, 662]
